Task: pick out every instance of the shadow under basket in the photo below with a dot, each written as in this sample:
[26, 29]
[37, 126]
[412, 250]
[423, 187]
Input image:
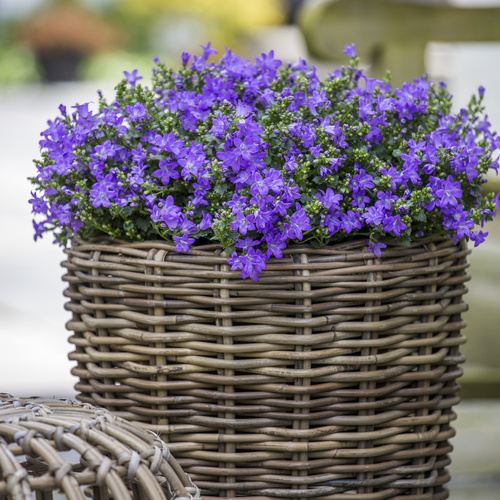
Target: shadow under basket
[334, 377]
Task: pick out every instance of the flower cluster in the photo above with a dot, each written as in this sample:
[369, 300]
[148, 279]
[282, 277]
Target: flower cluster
[256, 155]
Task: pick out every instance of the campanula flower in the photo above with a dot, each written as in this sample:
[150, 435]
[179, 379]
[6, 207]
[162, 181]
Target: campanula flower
[182, 242]
[102, 193]
[257, 154]
[137, 112]
[132, 78]
[350, 50]
[393, 224]
[376, 247]
[166, 171]
[448, 192]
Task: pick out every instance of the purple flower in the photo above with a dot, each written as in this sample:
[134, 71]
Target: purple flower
[351, 221]
[274, 180]
[269, 156]
[38, 204]
[39, 228]
[385, 199]
[316, 100]
[291, 193]
[167, 213]
[244, 152]
[253, 264]
[168, 143]
[106, 150]
[193, 162]
[333, 223]
[206, 221]
[83, 111]
[448, 192]
[246, 244]
[136, 113]
[299, 222]
[166, 171]
[268, 63]
[360, 200]
[264, 219]
[187, 225]
[61, 213]
[132, 78]
[207, 51]
[219, 125]
[267, 97]
[350, 50]
[149, 200]
[336, 163]
[243, 223]
[281, 207]
[337, 134]
[236, 262]
[245, 148]
[376, 247]
[410, 173]
[361, 180]
[457, 221]
[394, 224]
[182, 242]
[138, 155]
[329, 199]
[237, 203]
[102, 193]
[393, 176]
[300, 65]
[478, 237]
[291, 163]
[243, 109]
[373, 215]
[271, 180]
[275, 244]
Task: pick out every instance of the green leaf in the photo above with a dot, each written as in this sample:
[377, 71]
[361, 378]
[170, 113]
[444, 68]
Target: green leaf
[143, 224]
[220, 189]
[420, 216]
[404, 240]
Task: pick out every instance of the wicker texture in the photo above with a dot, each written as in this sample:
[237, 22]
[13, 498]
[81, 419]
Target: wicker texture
[53, 446]
[334, 377]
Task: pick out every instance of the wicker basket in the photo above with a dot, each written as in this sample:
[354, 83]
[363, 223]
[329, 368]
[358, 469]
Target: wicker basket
[334, 377]
[49, 447]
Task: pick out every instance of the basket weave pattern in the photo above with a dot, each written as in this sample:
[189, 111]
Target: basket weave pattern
[54, 447]
[334, 377]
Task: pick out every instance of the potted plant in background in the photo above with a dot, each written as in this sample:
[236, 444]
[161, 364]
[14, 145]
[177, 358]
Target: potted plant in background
[268, 269]
[64, 35]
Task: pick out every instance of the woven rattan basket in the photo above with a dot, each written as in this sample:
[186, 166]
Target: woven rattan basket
[50, 448]
[334, 377]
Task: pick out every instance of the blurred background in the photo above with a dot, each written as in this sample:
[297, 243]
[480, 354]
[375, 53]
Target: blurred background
[56, 52]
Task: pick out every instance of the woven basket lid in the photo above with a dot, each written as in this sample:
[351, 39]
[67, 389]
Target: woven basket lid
[83, 452]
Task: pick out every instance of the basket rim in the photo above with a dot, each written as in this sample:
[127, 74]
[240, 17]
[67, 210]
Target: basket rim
[357, 243]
